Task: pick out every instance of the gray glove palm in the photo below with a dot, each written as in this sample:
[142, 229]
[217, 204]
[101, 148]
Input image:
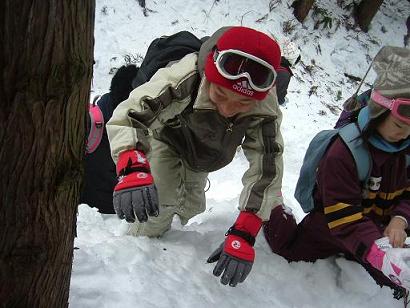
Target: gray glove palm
[140, 202]
[235, 270]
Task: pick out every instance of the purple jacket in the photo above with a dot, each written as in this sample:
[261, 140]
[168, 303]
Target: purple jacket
[355, 218]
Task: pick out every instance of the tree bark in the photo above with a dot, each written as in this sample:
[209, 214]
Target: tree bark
[365, 12]
[46, 59]
[301, 8]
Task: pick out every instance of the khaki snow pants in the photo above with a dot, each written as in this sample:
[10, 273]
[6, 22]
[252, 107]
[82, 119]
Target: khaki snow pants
[180, 191]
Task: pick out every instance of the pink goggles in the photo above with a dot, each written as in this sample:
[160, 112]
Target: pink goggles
[400, 107]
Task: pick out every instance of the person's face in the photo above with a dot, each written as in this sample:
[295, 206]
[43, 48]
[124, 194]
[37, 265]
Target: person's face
[393, 130]
[229, 103]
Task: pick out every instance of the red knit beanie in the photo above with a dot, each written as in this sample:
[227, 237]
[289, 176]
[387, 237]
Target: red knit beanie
[247, 40]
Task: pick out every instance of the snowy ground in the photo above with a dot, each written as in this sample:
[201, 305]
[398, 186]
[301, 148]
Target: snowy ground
[112, 269]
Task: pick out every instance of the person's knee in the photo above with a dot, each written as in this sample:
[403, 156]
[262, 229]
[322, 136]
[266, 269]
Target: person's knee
[194, 200]
[155, 226]
[147, 229]
[185, 214]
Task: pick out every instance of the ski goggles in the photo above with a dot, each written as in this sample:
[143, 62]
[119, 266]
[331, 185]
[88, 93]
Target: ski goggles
[234, 64]
[400, 107]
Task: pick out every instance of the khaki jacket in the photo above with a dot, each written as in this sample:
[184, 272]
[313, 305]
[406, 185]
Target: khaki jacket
[206, 141]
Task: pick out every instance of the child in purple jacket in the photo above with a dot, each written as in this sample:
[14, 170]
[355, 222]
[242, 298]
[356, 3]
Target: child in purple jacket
[368, 224]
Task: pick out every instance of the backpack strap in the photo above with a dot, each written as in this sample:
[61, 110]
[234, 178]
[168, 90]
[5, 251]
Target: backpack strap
[307, 177]
[350, 134]
[96, 127]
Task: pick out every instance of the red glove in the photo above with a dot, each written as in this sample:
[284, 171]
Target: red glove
[236, 255]
[135, 195]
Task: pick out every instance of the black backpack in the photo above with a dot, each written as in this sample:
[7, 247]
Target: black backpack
[164, 50]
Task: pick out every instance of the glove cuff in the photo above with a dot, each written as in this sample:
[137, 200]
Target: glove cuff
[135, 179]
[248, 222]
[132, 161]
[242, 234]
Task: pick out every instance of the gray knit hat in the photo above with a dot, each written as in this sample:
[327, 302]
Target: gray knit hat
[392, 67]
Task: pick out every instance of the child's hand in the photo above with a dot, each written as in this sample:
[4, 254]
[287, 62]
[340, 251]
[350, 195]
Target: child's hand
[396, 233]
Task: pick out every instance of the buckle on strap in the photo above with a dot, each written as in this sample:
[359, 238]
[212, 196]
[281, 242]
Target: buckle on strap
[242, 234]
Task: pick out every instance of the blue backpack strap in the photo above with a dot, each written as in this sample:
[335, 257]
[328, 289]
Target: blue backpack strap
[307, 177]
[350, 134]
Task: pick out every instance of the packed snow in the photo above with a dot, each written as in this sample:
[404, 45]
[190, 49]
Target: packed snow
[112, 269]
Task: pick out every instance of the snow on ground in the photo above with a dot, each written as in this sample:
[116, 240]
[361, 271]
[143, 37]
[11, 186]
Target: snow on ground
[112, 269]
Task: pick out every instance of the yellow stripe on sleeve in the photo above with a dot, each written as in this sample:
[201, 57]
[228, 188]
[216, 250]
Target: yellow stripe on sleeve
[379, 211]
[334, 208]
[386, 196]
[344, 220]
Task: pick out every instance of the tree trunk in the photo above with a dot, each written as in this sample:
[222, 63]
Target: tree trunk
[46, 59]
[301, 8]
[365, 12]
